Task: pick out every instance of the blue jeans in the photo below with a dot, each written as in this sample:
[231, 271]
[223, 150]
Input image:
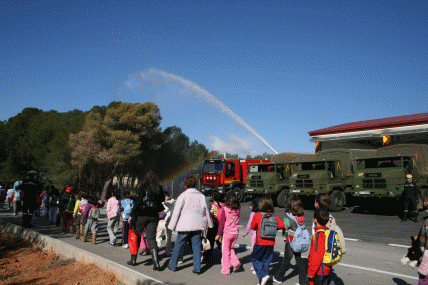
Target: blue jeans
[261, 258]
[195, 238]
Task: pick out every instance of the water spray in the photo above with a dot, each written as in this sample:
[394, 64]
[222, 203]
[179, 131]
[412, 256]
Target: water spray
[208, 97]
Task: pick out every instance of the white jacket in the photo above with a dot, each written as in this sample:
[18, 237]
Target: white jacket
[191, 213]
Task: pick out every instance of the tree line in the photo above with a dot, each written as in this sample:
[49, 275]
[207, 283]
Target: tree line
[90, 149]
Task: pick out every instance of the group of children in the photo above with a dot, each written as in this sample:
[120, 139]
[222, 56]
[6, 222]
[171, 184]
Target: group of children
[225, 212]
[84, 209]
[226, 217]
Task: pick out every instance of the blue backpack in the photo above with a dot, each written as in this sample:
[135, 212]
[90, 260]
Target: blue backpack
[302, 240]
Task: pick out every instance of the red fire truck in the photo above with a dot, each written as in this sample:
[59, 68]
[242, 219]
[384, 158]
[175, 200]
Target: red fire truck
[226, 175]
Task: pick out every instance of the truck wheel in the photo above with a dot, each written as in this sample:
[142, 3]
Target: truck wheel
[337, 200]
[281, 198]
[239, 193]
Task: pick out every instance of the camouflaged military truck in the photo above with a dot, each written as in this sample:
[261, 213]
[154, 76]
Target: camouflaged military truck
[380, 178]
[268, 178]
[272, 178]
[330, 171]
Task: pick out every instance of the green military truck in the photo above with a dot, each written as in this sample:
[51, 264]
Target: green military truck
[383, 175]
[330, 171]
[272, 178]
[268, 178]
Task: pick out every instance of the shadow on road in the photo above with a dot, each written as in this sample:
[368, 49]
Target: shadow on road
[399, 281]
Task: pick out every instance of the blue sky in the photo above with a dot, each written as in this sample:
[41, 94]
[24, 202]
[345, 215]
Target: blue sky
[218, 69]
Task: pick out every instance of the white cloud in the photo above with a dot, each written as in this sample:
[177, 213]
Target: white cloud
[232, 145]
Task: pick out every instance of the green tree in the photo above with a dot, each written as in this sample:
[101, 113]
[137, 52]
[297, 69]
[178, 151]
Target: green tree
[111, 140]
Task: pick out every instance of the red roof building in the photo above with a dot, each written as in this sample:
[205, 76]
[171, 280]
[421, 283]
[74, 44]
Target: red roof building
[373, 133]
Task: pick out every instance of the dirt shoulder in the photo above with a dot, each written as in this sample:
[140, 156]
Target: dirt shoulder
[21, 263]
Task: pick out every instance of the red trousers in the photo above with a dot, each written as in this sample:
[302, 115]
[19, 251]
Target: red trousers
[133, 241]
[67, 222]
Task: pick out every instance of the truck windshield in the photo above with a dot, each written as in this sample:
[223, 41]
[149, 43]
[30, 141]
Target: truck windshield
[253, 168]
[213, 167]
[267, 168]
[262, 168]
[384, 162]
[305, 166]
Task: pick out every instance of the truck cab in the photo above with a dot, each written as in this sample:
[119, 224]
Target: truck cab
[382, 177]
[225, 175]
[309, 178]
[268, 178]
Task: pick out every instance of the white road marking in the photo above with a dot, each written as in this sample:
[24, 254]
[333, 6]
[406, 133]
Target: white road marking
[352, 239]
[379, 271]
[348, 265]
[398, 245]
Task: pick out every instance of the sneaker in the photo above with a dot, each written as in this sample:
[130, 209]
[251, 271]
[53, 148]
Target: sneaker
[180, 262]
[225, 273]
[125, 246]
[254, 272]
[265, 280]
[274, 280]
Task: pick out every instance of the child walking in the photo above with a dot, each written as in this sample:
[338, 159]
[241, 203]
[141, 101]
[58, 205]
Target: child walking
[294, 207]
[53, 207]
[228, 228]
[67, 207]
[262, 254]
[91, 214]
[253, 209]
[81, 201]
[216, 206]
[318, 272]
[323, 201]
[113, 216]
[162, 229]
[127, 205]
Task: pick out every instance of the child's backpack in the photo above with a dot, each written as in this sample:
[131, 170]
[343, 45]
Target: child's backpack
[301, 240]
[94, 213]
[82, 204]
[69, 208]
[334, 227]
[268, 226]
[333, 250]
[127, 210]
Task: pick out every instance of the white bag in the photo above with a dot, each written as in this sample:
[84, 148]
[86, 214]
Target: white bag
[205, 242]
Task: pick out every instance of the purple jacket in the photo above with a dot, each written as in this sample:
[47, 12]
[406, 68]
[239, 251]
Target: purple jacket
[88, 207]
[191, 213]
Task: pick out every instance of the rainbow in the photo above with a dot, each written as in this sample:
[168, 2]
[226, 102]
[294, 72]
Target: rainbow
[180, 172]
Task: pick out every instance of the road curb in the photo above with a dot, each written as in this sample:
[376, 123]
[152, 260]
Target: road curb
[46, 243]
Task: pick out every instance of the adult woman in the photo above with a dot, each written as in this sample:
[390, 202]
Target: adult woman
[191, 216]
[145, 215]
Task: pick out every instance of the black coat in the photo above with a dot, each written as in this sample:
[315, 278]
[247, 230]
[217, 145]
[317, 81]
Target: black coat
[139, 210]
[31, 188]
[411, 190]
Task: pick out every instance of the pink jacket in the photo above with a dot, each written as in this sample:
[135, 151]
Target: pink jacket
[113, 208]
[191, 213]
[226, 224]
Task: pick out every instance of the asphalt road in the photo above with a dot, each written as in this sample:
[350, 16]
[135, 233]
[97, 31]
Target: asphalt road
[375, 245]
